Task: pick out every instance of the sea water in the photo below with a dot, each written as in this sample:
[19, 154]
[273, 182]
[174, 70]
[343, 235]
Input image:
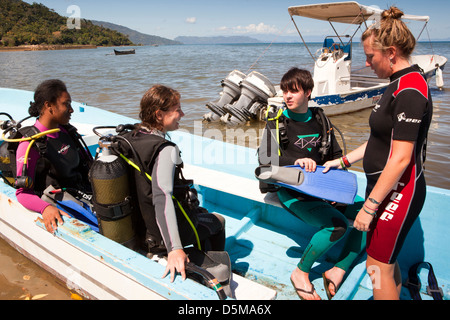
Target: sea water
[116, 83]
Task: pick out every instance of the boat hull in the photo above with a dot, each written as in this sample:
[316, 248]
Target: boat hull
[264, 241]
[346, 103]
[124, 52]
[336, 104]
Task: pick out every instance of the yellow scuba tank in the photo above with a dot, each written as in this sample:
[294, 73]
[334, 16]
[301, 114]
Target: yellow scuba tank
[111, 197]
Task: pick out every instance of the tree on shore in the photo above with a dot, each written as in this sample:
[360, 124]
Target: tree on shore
[31, 24]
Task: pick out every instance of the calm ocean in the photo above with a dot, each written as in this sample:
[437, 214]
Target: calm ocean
[117, 83]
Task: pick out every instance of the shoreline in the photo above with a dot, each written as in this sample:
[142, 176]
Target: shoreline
[39, 47]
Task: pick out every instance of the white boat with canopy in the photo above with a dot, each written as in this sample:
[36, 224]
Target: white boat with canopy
[337, 89]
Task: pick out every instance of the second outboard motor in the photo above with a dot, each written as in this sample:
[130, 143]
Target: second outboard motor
[230, 93]
[111, 197]
[255, 90]
[439, 78]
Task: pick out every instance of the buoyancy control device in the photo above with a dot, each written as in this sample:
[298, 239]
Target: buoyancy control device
[111, 195]
[14, 133]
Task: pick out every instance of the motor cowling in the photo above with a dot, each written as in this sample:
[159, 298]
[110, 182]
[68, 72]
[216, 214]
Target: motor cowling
[111, 197]
[230, 93]
[255, 90]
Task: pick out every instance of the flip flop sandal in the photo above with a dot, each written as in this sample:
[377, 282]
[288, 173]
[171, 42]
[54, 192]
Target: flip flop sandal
[304, 291]
[326, 284]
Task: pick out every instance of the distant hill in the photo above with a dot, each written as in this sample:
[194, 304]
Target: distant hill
[216, 40]
[135, 36]
[35, 24]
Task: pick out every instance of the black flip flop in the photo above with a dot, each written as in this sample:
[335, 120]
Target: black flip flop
[326, 284]
[304, 291]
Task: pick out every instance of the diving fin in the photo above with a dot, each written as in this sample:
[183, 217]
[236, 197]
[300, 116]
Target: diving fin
[79, 212]
[217, 264]
[335, 185]
[68, 203]
[274, 174]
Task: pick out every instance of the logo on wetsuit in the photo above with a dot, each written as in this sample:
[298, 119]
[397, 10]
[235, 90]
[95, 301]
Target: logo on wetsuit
[64, 149]
[308, 140]
[402, 117]
[392, 206]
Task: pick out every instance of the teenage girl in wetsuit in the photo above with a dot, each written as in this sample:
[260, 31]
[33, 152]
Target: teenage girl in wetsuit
[393, 155]
[160, 113]
[305, 134]
[62, 165]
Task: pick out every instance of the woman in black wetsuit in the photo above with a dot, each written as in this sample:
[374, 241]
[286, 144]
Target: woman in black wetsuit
[166, 227]
[393, 155]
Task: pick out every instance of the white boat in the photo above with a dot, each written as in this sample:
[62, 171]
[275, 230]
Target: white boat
[264, 241]
[336, 89]
[89, 263]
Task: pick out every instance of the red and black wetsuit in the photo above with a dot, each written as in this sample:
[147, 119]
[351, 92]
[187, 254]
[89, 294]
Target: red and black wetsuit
[404, 113]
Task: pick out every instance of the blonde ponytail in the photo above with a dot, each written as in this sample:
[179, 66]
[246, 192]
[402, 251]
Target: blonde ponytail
[392, 32]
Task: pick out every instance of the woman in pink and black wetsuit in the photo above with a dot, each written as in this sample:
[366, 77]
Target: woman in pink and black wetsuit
[393, 155]
[62, 165]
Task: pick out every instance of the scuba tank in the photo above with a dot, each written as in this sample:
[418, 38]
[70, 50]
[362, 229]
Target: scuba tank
[10, 130]
[111, 196]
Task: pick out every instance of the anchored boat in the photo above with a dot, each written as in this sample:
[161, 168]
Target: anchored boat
[337, 89]
[264, 241]
[123, 52]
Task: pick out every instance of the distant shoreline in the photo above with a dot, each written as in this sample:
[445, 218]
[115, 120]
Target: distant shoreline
[39, 47]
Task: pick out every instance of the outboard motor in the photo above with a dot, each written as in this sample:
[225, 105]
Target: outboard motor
[111, 197]
[230, 93]
[439, 78]
[255, 90]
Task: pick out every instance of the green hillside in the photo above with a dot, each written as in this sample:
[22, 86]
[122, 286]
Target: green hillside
[35, 24]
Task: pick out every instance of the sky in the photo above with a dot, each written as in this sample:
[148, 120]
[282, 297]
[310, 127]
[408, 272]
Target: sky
[254, 18]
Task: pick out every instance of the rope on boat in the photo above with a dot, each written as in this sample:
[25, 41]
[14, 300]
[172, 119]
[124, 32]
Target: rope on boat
[264, 52]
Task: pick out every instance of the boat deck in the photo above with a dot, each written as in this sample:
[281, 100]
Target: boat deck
[265, 242]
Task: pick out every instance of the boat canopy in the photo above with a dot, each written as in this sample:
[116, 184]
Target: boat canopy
[349, 12]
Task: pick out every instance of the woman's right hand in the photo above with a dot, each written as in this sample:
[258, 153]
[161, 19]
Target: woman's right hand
[176, 262]
[52, 217]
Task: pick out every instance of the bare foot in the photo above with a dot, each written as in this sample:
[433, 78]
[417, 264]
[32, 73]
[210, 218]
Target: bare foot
[304, 287]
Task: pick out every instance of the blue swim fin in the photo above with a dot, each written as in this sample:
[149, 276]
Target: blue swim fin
[335, 185]
[78, 212]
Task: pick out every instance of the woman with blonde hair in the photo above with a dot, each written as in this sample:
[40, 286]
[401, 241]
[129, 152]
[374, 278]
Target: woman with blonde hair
[394, 154]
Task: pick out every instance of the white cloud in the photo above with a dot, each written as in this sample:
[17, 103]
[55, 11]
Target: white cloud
[191, 20]
[260, 28]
